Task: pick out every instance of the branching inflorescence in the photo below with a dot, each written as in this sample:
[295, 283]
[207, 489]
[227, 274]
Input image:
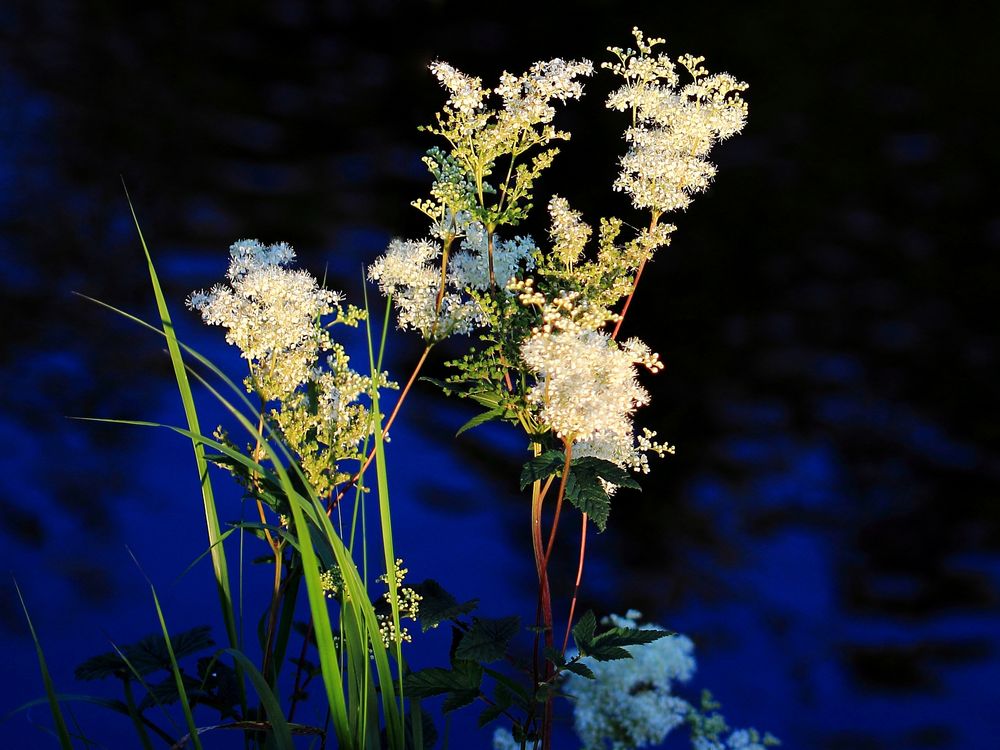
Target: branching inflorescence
[545, 359]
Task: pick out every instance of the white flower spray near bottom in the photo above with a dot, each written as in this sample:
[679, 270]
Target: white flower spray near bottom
[630, 702]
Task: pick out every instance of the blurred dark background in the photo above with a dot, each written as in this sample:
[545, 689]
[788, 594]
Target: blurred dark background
[829, 531]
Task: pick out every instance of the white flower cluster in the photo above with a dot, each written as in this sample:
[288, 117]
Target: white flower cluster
[274, 315]
[469, 269]
[270, 314]
[630, 703]
[407, 273]
[527, 102]
[504, 740]
[467, 93]
[586, 382]
[675, 127]
[526, 98]
[739, 739]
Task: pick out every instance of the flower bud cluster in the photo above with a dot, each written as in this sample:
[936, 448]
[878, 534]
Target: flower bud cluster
[568, 231]
[409, 608]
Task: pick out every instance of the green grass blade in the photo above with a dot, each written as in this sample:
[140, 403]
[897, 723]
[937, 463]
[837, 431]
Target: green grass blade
[202, 556]
[286, 620]
[149, 691]
[385, 518]
[134, 715]
[279, 725]
[306, 511]
[332, 678]
[61, 731]
[219, 563]
[175, 668]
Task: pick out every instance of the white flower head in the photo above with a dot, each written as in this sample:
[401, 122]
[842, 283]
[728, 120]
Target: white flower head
[527, 98]
[407, 273]
[469, 268]
[674, 126]
[271, 314]
[587, 384]
[466, 93]
[250, 255]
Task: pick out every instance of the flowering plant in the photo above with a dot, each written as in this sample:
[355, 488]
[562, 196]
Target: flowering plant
[542, 358]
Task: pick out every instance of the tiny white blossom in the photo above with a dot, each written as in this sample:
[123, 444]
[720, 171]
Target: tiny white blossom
[467, 93]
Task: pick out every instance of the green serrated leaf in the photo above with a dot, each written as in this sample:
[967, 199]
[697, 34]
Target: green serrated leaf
[621, 637]
[581, 669]
[542, 466]
[491, 713]
[165, 692]
[438, 606]
[583, 631]
[610, 645]
[487, 639]
[553, 655]
[464, 676]
[585, 491]
[458, 699]
[429, 682]
[146, 656]
[481, 419]
[606, 470]
[518, 693]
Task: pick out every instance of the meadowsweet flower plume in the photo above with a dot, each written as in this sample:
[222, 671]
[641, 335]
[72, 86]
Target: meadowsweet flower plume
[274, 316]
[270, 314]
[587, 383]
[674, 126]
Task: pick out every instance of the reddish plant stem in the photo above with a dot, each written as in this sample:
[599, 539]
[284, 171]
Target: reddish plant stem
[385, 430]
[559, 502]
[544, 592]
[489, 259]
[576, 587]
[628, 300]
[635, 285]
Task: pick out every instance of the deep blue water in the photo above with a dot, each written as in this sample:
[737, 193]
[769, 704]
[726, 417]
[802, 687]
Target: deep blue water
[828, 533]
